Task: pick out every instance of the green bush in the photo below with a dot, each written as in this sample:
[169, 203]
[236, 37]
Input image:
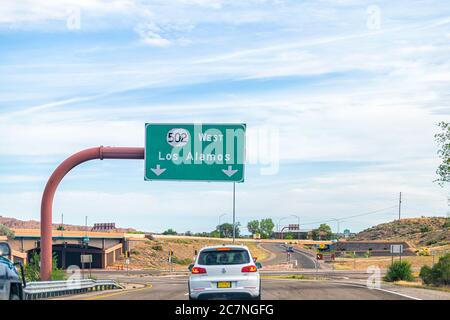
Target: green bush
[447, 223]
[157, 247]
[5, 231]
[438, 275]
[424, 229]
[399, 270]
[177, 260]
[32, 269]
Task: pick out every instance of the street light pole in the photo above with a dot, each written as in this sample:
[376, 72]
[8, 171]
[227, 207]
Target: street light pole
[220, 228]
[338, 222]
[279, 224]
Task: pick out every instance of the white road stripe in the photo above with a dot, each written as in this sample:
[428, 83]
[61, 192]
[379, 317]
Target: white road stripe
[380, 289]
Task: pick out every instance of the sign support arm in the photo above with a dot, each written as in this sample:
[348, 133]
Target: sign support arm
[52, 184]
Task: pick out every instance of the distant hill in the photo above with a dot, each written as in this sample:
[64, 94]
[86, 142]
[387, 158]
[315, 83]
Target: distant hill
[425, 231]
[33, 224]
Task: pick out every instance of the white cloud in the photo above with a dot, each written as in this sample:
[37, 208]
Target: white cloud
[359, 95]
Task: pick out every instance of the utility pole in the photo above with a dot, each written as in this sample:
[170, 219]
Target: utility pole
[400, 206]
[234, 211]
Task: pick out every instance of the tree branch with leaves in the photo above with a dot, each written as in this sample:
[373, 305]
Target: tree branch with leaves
[443, 140]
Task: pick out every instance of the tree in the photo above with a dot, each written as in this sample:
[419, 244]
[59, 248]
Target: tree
[443, 140]
[170, 232]
[60, 228]
[266, 228]
[5, 231]
[323, 232]
[215, 234]
[226, 230]
[289, 236]
[253, 227]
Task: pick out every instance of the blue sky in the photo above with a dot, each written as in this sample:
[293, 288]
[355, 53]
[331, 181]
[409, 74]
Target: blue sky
[353, 91]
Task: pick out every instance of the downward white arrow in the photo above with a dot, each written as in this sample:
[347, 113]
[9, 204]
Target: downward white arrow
[157, 170]
[230, 171]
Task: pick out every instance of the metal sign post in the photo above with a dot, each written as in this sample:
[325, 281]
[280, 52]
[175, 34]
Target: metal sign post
[86, 258]
[127, 263]
[234, 212]
[170, 260]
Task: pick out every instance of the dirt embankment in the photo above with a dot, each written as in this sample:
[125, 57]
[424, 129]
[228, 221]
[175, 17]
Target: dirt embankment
[153, 254]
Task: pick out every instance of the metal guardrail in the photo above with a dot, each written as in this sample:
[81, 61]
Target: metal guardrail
[49, 289]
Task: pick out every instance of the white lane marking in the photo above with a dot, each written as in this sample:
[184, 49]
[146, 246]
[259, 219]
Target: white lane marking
[400, 294]
[380, 289]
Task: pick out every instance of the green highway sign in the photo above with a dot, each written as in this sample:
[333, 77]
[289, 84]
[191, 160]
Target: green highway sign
[195, 152]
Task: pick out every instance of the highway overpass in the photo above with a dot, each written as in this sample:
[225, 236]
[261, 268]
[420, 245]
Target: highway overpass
[105, 247]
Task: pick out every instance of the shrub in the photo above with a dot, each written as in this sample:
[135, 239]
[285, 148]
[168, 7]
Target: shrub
[32, 269]
[439, 274]
[157, 247]
[177, 260]
[447, 223]
[426, 275]
[5, 231]
[399, 270]
[424, 229]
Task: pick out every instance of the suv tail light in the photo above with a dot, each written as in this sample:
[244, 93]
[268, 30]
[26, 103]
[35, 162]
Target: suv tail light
[249, 269]
[198, 270]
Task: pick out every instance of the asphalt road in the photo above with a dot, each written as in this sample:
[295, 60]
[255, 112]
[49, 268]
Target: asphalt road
[280, 256]
[168, 288]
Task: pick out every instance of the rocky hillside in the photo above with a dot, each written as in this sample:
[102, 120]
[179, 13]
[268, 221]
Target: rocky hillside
[33, 224]
[425, 231]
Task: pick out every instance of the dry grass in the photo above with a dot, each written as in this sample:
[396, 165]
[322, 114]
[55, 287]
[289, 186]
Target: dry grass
[419, 284]
[381, 262]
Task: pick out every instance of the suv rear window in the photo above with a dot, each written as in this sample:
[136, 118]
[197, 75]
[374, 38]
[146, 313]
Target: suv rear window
[223, 257]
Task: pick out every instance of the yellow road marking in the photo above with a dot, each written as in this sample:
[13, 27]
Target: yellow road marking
[148, 286]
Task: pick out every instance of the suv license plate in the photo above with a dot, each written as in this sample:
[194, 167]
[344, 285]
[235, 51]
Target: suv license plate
[223, 284]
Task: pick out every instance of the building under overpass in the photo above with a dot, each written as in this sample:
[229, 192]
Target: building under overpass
[68, 246]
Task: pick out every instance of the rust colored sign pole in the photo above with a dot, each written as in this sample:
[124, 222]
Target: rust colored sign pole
[52, 184]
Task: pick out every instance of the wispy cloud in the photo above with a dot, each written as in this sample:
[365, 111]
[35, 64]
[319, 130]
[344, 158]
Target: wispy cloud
[337, 90]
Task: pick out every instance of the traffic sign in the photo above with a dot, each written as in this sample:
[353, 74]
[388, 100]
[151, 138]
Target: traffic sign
[396, 248]
[86, 258]
[195, 152]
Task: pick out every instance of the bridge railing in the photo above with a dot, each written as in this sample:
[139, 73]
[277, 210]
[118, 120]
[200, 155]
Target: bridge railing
[49, 289]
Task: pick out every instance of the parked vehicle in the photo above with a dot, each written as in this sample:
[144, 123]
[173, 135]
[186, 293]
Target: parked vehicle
[224, 272]
[11, 284]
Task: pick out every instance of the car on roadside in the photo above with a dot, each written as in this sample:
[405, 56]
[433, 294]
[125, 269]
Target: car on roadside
[224, 272]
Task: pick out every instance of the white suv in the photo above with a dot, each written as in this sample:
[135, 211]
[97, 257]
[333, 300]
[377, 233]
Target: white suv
[224, 272]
